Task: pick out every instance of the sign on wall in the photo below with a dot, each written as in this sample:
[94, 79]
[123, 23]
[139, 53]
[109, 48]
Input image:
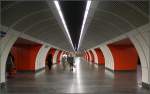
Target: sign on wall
[2, 34]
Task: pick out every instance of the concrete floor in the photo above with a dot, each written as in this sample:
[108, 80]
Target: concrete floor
[86, 78]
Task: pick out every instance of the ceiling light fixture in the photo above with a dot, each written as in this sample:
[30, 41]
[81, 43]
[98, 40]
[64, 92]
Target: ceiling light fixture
[63, 21]
[84, 20]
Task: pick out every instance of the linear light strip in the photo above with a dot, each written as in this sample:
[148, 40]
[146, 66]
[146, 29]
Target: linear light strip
[84, 20]
[63, 21]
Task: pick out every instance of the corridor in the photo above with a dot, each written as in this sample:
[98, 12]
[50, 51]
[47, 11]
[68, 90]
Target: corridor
[110, 40]
[86, 78]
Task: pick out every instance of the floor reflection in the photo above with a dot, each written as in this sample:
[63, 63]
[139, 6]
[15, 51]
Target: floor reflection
[76, 85]
[86, 78]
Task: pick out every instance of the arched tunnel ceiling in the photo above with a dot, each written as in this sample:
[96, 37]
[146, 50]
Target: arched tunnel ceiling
[111, 19]
[36, 19]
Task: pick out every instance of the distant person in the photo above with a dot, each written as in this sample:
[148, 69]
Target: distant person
[64, 61]
[9, 64]
[49, 61]
[70, 60]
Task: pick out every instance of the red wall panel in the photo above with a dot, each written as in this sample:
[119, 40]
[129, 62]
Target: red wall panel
[58, 57]
[125, 57]
[92, 56]
[25, 57]
[100, 56]
[51, 51]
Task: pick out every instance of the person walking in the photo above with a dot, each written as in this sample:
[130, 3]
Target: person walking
[9, 65]
[70, 60]
[49, 61]
[64, 61]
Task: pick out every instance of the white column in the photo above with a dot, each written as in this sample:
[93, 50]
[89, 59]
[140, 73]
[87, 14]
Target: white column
[86, 56]
[55, 56]
[109, 60]
[41, 57]
[61, 55]
[6, 44]
[141, 41]
[89, 56]
[95, 56]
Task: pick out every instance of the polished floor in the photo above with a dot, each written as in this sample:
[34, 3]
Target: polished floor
[86, 78]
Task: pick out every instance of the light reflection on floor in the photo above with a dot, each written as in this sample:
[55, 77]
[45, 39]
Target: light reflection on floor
[76, 85]
[86, 78]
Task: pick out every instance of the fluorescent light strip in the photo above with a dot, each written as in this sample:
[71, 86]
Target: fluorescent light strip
[63, 21]
[84, 20]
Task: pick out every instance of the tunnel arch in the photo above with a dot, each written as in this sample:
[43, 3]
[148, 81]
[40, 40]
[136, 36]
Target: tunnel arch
[55, 56]
[124, 54]
[41, 57]
[100, 56]
[26, 53]
[95, 56]
[92, 56]
[140, 41]
[8, 42]
[59, 57]
[88, 56]
[109, 60]
[51, 51]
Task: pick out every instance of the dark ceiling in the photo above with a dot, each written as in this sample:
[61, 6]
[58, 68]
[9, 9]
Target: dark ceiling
[73, 12]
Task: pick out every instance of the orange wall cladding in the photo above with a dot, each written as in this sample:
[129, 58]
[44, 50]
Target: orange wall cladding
[51, 51]
[125, 57]
[58, 57]
[25, 57]
[92, 56]
[100, 56]
[88, 59]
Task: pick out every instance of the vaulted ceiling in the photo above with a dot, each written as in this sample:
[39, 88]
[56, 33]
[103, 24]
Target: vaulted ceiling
[110, 19]
[113, 18]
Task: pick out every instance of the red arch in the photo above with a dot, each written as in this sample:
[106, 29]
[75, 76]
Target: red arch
[25, 56]
[58, 57]
[100, 56]
[51, 51]
[124, 54]
[125, 57]
[92, 56]
[85, 55]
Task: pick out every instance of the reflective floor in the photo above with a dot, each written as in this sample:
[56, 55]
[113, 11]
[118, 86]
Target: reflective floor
[86, 78]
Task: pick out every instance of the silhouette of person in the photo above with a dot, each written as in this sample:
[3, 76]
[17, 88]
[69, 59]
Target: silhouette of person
[49, 61]
[70, 60]
[9, 64]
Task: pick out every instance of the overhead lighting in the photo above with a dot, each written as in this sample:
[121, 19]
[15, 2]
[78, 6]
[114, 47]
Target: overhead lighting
[84, 20]
[63, 21]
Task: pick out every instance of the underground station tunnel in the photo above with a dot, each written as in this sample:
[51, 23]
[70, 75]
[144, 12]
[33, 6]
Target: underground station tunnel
[75, 46]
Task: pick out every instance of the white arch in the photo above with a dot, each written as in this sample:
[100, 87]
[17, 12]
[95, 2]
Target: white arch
[95, 56]
[109, 60]
[61, 55]
[41, 57]
[90, 57]
[55, 56]
[142, 45]
[86, 56]
[6, 44]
